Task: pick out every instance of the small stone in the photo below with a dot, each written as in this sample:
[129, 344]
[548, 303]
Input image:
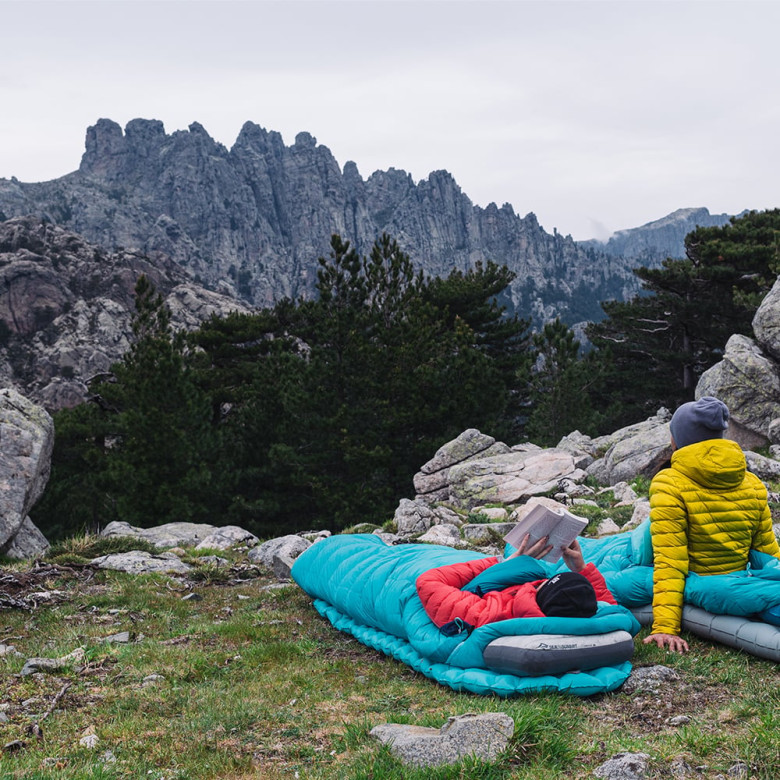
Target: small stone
[57, 763]
[679, 720]
[624, 766]
[8, 650]
[122, 638]
[483, 736]
[650, 679]
[88, 738]
[52, 664]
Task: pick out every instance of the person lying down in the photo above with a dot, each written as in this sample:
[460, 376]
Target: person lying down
[575, 593]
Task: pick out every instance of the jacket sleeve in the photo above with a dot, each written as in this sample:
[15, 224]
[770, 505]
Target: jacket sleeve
[669, 533]
[440, 592]
[764, 539]
[595, 578]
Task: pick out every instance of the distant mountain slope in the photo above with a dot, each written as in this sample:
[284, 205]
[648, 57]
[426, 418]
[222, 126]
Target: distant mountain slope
[253, 220]
[66, 308]
[652, 243]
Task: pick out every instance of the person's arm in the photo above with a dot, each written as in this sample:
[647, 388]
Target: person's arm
[764, 539]
[440, 592]
[595, 578]
[669, 533]
[537, 550]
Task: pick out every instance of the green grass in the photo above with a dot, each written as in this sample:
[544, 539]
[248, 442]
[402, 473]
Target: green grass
[254, 683]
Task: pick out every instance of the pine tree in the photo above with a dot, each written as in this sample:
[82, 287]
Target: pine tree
[335, 402]
[661, 342]
[561, 386]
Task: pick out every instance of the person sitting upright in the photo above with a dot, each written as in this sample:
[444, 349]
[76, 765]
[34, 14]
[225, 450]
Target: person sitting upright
[707, 512]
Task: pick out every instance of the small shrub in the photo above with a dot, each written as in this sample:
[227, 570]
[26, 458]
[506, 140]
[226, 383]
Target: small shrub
[641, 485]
[210, 573]
[81, 549]
[362, 528]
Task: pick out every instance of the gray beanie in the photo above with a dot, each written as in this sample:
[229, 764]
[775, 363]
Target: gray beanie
[698, 421]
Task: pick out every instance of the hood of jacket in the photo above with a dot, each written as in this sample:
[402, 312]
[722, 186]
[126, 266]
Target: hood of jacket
[718, 464]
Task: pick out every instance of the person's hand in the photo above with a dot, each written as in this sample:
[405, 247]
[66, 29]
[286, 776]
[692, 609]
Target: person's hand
[573, 557]
[538, 549]
[675, 643]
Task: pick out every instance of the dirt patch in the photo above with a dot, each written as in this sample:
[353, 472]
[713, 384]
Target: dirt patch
[38, 585]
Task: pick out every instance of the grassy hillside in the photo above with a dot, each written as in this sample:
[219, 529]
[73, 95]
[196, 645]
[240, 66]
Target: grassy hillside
[244, 679]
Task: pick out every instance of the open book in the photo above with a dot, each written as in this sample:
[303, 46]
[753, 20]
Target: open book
[560, 525]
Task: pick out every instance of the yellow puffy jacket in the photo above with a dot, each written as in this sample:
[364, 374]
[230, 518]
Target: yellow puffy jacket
[706, 513]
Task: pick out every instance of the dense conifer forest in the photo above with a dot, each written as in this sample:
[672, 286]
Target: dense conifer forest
[317, 413]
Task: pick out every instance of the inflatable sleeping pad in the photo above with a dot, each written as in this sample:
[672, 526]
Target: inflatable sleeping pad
[741, 610]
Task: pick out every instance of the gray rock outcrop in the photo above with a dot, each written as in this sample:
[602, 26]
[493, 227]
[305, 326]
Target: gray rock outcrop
[640, 454]
[226, 537]
[66, 308]
[162, 536]
[28, 542]
[140, 562]
[254, 219]
[416, 517]
[26, 442]
[747, 380]
[475, 469]
[766, 323]
[279, 554]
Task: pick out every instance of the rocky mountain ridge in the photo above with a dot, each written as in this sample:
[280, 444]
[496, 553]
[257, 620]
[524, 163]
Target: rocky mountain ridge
[252, 221]
[653, 242]
[66, 307]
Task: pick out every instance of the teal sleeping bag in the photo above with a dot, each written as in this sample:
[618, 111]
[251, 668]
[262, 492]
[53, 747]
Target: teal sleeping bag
[367, 588]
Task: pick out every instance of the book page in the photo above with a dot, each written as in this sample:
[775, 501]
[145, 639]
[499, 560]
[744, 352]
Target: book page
[564, 533]
[559, 525]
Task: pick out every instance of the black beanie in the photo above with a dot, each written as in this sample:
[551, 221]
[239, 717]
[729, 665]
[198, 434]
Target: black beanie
[567, 595]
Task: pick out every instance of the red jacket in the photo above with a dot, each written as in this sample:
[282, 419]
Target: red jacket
[441, 594]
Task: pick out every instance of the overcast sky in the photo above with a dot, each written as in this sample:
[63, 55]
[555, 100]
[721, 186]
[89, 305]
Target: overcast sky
[596, 116]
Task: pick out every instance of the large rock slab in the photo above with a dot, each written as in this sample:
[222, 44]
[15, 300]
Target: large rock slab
[748, 382]
[163, 536]
[140, 562]
[766, 323]
[226, 537]
[28, 542]
[416, 517]
[640, 454]
[26, 442]
[766, 469]
[283, 548]
[601, 444]
[432, 480]
[471, 442]
[510, 478]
